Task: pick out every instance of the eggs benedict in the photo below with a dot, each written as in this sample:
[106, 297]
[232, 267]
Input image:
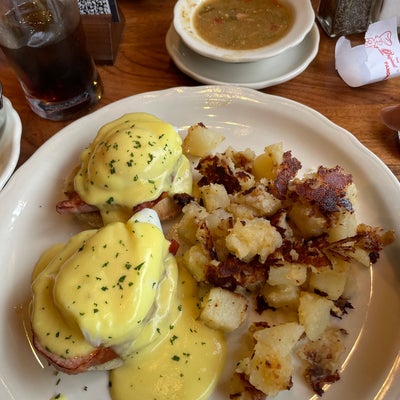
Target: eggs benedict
[135, 161]
[113, 299]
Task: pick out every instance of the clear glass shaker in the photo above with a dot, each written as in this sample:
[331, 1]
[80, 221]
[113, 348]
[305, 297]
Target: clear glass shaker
[344, 17]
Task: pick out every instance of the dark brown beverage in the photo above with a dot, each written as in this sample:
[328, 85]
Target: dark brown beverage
[56, 72]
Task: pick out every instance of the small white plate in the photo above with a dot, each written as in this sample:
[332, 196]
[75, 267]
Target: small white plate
[9, 142]
[255, 75]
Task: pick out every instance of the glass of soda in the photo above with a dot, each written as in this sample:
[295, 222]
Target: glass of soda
[45, 44]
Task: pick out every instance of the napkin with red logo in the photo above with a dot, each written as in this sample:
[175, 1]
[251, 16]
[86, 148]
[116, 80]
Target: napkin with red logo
[378, 59]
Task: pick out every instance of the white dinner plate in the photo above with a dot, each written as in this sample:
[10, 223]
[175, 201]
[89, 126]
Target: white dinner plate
[256, 75]
[247, 118]
[10, 139]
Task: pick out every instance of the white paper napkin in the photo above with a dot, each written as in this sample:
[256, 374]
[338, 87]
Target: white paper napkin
[376, 60]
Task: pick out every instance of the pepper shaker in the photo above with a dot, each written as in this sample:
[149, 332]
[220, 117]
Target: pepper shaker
[343, 17]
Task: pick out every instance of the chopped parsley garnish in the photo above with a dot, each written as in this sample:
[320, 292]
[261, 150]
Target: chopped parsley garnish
[112, 167]
[150, 158]
[139, 266]
[128, 265]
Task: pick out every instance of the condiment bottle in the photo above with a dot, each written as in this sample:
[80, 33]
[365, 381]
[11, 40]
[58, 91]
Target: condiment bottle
[344, 17]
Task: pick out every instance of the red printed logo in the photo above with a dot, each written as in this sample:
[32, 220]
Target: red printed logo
[383, 44]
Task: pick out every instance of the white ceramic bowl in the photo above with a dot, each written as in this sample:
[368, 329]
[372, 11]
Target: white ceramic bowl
[183, 23]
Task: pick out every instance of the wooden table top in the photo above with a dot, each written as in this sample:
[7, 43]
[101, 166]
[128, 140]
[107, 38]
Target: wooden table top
[143, 65]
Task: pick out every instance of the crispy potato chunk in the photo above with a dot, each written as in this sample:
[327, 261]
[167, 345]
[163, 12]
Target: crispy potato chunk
[200, 140]
[332, 283]
[314, 314]
[223, 310]
[287, 274]
[258, 200]
[345, 226]
[253, 237]
[322, 358]
[193, 213]
[281, 296]
[270, 367]
[195, 258]
[308, 220]
[266, 164]
[214, 196]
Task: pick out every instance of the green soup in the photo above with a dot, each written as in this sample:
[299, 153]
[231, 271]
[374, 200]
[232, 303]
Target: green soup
[242, 24]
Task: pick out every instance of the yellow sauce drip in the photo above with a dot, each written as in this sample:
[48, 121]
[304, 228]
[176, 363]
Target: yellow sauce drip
[184, 365]
[58, 397]
[132, 160]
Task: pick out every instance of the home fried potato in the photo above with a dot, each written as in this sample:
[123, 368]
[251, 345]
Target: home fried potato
[200, 140]
[270, 366]
[292, 244]
[223, 310]
[314, 314]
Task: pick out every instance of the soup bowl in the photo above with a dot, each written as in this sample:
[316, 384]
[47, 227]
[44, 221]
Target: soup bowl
[185, 11]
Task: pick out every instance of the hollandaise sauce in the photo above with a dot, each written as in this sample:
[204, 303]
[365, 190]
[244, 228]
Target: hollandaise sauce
[101, 288]
[184, 365]
[58, 396]
[119, 287]
[132, 160]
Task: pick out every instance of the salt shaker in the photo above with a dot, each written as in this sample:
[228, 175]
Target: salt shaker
[343, 17]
